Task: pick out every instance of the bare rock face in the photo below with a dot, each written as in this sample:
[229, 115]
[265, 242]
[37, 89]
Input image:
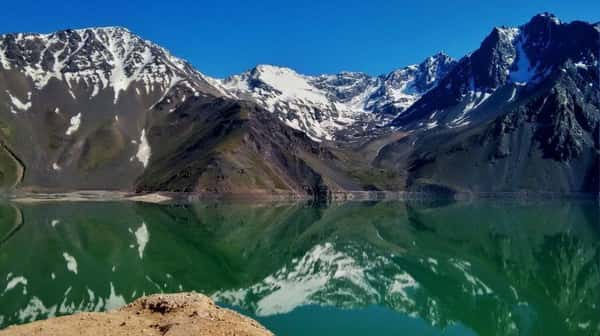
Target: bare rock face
[160, 314]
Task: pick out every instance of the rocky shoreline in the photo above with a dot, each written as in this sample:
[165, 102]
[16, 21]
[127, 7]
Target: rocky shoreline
[160, 315]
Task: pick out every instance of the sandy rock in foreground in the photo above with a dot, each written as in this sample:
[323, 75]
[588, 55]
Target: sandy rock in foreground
[162, 314]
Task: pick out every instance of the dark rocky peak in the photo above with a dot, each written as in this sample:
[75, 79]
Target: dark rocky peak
[526, 57]
[483, 70]
[490, 64]
[544, 20]
[549, 43]
[425, 74]
[431, 70]
[527, 54]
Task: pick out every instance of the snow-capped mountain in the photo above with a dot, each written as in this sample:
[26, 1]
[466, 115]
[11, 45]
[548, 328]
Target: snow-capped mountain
[322, 105]
[114, 60]
[401, 88]
[76, 100]
[97, 59]
[103, 108]
[510, 62]
[520, 112]
[294, 99]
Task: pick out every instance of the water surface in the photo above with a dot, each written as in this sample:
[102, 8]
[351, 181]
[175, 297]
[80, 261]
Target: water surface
[388, 268]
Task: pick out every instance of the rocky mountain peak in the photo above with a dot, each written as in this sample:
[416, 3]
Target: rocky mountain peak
[515, 58]
[507, 54]
[432, 69]
[544, 19]
[99, 57]
[321, 106]
[403, 87]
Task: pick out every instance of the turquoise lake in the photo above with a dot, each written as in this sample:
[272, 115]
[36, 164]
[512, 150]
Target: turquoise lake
[373, 268]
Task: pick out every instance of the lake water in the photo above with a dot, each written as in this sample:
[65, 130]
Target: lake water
[388, 268]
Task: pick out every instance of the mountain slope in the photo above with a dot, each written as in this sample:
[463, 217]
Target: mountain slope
[223, 146]
[509, 64]
[327, 107]
[520, 113]
[74, 105]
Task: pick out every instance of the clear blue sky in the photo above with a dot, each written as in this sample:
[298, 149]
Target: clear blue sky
[229, 36]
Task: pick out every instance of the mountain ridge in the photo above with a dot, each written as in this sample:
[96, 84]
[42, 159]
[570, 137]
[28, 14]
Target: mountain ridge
[323, 104]
[102, 108]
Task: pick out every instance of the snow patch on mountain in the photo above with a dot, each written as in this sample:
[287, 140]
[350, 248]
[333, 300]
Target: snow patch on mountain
[473, 101]
[75, 123]
[513, 95]
[4, 63]
[119, 47]
[144, 151]
[18, 104]
[523, 71]
[291, 85]
[172, 83]
[581, 65]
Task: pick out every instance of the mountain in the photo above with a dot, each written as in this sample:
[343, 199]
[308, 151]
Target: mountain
[102, 108]
[327, 106]
[224, 146]
[76, 104]
[522, 112]
[510, 62]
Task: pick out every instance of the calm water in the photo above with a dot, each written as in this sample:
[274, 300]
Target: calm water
[484, 268]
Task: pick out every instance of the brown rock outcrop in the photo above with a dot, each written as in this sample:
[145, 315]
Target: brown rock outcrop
[188, 314]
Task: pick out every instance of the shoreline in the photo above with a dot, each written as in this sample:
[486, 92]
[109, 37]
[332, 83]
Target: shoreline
[334, 196]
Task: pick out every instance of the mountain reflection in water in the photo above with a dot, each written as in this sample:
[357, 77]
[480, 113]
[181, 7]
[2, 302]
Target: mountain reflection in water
[480, 268]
